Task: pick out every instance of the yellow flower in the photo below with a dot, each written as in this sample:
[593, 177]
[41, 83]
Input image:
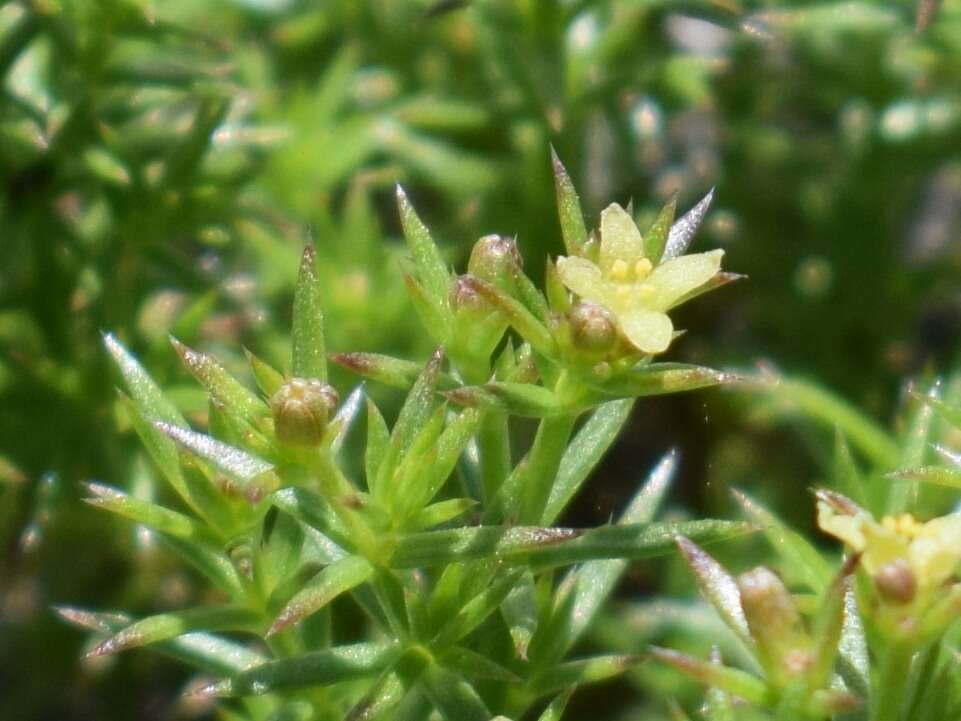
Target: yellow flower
[630, 286]
[931, 551]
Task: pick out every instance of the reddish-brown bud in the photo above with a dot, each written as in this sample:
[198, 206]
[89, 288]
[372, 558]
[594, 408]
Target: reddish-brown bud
[301, 409]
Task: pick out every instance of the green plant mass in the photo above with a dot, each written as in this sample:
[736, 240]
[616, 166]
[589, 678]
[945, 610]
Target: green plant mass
[487, 360]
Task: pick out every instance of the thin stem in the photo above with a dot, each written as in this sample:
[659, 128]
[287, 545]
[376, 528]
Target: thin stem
[888, 701]
[541, 464]
[493, 446]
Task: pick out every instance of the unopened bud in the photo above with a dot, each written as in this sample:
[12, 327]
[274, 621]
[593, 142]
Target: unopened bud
[464, 296]
[495, 259]
[895, 582]
[592, 327]
[301, 408]
[784, 647]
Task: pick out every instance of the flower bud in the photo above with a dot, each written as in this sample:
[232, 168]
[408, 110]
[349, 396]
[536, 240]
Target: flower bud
[784, 647]
[301, 408]
[895, 582]
[593, 328]
[495, 259]
[463, 296]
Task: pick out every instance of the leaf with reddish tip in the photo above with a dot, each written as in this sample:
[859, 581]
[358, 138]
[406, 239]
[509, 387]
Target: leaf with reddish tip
[682, 232]
[165, 626]
[801, 558]
[583, 671]
[543, 548]
[334, 580]
[316, 669]
[936, 475]
[431, 269]
[518, 399]
[717, 586]
[573, 229]
[254, 476]
[309, 355]
[733, 681]
[220, 385]
[662, 378]
[149, 514]
[200, 650]
[387, 369]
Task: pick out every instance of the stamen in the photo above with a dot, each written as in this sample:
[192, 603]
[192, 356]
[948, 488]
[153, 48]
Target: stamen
[619, 270]
[643, 268]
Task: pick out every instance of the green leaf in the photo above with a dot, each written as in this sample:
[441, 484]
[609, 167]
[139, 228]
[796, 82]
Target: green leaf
[470, 664]
[334, 580]
[343, 421]
[573, 229]
[577, 673]
[717, 586]
[387, 369]
[584, 452]
[914, 445]
[733, 681]
[436, 319]
[378, 439]
[548, 547]
[828, 626]
[269, 380]
[846, 473]
[309, 358]
[200, 650]
[252, 475]
[802, 558]
[584, 590]
[517, 399]
[312, 509]
[719, 705]
[520, 613]
[219, 384]
[149, 514]
[441, 512]
[662, 378]
[515, 313]
[936, 475]
[320, 668]
[453, 697]
[477, 609]
[682, 232]
[164, 626]
[555, 709]
[431, 269]
[656, 238]
[209, 561]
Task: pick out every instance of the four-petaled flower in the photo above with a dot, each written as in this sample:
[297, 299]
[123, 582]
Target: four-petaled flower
[635, 290]
[928, 553]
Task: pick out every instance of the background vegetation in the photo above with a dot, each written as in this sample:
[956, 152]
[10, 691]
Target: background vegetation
[161, 164]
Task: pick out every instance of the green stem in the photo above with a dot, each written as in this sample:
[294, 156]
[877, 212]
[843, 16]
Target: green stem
[541, 464]
[826, 407]
[494, 449]
[888, 701]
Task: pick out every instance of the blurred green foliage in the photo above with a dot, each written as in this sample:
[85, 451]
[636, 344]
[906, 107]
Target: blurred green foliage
[161, 164]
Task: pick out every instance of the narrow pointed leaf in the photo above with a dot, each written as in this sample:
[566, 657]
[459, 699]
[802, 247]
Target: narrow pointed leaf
[520, 612]
[387, 369]
[309, 358]
[578, 673]
[431, 269]
[378, 439]
[914, 445]
[477, 609]
[517, 399]
[573, 229]
[936, 475]
[219, 383]
[655, 241]
[435, 317]
[441, 512]
[334, 580]
[682, 232]
[149, 514]
[254, 476]
[555, 709]
[470, 664]
[733, 681]
[209, 561]
[548, 547]
[585, 451]
[312, 509]
[717, 586]
[515, 313]
[145, 393]
[440, 462]
[320, 668]
[199, 650]
[345, 417]
[453, 697]
[164, 626]
[663, 378]
[269, 380]
[802, 558]
[846, 473]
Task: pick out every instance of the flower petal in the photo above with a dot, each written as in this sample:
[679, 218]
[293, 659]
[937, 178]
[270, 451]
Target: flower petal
[648, 331]
[582, 277]
[679, 276]
[620, 238]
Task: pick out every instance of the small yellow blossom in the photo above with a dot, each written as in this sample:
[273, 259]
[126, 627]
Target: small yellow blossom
[931, 551]
[630, 286]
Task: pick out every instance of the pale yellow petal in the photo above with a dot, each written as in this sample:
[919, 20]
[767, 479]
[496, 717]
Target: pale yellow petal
[582, 277]
[648, 331]
[620, 239]
[679, 276]
[846, 528]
